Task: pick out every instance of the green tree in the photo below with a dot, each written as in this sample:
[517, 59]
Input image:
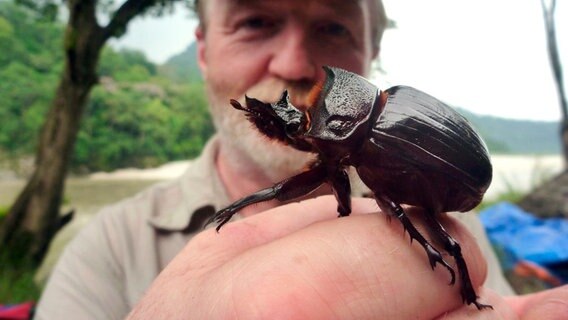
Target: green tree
[127, 65]
[142, 124]
[24, 96]
[34, 218]
[29, 64]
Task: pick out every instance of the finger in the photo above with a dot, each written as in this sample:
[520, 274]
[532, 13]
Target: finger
[210, 251]
[356, 267]
[239, 236]
[550, 304]
[501, 309]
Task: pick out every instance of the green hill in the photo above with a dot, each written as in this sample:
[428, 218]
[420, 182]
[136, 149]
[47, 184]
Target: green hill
[182, 67]
[517, 136]
[501, 135]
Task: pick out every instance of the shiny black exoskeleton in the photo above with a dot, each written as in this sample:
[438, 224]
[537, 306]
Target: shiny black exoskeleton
[407, 147]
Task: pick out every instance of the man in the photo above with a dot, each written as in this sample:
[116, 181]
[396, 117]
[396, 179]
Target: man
[293, 261]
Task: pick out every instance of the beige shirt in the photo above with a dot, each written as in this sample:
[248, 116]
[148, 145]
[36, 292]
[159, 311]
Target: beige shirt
[106, 269]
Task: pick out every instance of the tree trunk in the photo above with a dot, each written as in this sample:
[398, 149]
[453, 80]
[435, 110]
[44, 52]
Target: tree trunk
[564, 139]
[556, 66]
[551, 198]
[34, 218]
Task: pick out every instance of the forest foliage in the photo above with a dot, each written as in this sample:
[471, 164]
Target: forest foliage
[137, 116]
[142, 114]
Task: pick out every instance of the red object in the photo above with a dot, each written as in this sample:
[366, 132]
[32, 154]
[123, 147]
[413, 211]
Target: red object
[526, 268]
[20, 311]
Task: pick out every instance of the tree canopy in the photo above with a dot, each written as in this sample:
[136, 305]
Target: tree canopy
[139, 116]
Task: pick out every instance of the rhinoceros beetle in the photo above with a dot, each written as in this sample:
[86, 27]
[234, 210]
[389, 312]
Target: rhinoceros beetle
[407, 147]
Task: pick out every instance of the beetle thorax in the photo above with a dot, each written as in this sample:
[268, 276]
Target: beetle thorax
[340, 118]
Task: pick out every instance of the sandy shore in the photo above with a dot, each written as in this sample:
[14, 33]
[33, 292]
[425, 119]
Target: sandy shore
[510, 172]
[522, 172]
[167, 171]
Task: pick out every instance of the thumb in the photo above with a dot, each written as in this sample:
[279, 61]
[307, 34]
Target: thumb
[550, 304]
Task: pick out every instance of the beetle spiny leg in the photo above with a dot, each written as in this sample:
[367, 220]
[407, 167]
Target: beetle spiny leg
[452, 246]
[434, 256]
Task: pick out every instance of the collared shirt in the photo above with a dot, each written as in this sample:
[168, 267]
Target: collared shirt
[106, 269]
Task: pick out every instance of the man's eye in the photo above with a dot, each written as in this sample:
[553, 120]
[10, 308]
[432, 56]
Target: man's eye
[333, 29]
[258, 23]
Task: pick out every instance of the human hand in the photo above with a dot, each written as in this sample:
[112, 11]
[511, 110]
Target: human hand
[550, 304]
[300, 262]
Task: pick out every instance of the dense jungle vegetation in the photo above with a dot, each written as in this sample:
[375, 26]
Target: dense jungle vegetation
[139, 115]
[142, 114]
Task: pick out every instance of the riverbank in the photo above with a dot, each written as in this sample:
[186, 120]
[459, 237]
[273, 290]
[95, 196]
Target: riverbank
[510, 172]
[87, 194]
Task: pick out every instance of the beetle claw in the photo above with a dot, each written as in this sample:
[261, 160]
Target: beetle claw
[221, 217]
[434, 256]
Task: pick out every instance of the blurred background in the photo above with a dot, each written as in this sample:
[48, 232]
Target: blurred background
[147, 115]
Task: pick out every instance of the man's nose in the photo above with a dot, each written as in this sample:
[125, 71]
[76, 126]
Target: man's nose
[292, 59]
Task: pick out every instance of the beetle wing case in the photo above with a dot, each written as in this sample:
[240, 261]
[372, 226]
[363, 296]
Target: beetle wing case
[436, 148]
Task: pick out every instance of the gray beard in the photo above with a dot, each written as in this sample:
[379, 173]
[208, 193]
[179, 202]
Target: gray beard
[250, 150]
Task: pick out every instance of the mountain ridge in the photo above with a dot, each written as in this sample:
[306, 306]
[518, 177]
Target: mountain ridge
[502, 135]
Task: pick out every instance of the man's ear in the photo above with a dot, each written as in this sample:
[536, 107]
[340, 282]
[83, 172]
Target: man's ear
[376, 51]
[201, 57]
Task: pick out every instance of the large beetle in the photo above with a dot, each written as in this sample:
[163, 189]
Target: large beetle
[407, 147]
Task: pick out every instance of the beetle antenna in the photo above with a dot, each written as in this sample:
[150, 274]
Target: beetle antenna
[237, 105]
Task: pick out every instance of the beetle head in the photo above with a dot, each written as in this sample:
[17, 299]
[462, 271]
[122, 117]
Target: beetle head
[342, 106]
[280, 120]
[293, 120]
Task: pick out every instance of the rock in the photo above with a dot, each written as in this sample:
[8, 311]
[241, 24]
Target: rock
[550, 199]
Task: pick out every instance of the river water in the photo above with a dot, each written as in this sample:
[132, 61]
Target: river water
[85, 195]
[90, 193]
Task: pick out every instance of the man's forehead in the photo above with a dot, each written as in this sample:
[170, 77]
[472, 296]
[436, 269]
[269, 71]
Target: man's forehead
[337, 5]
[331, 2]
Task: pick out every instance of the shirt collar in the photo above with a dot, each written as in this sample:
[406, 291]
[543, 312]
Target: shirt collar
[202, 192]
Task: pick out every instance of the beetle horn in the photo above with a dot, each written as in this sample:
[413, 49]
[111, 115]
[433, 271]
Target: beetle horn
[283, 98]
[314, 94]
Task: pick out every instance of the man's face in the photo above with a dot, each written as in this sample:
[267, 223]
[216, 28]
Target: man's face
[260, 47]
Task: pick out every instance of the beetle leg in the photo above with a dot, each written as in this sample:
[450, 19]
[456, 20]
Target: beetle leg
[293, 187]
[434, 256]
[342, 190]
[452, 246]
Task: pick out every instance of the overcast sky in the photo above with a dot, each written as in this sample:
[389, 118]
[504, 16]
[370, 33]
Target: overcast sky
[487, 56]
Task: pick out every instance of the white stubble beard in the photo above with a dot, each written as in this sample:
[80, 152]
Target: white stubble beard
[248, 150]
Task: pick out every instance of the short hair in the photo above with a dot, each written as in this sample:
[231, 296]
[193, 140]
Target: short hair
[377, 14]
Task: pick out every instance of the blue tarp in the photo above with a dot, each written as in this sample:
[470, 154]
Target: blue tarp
[521, 236]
